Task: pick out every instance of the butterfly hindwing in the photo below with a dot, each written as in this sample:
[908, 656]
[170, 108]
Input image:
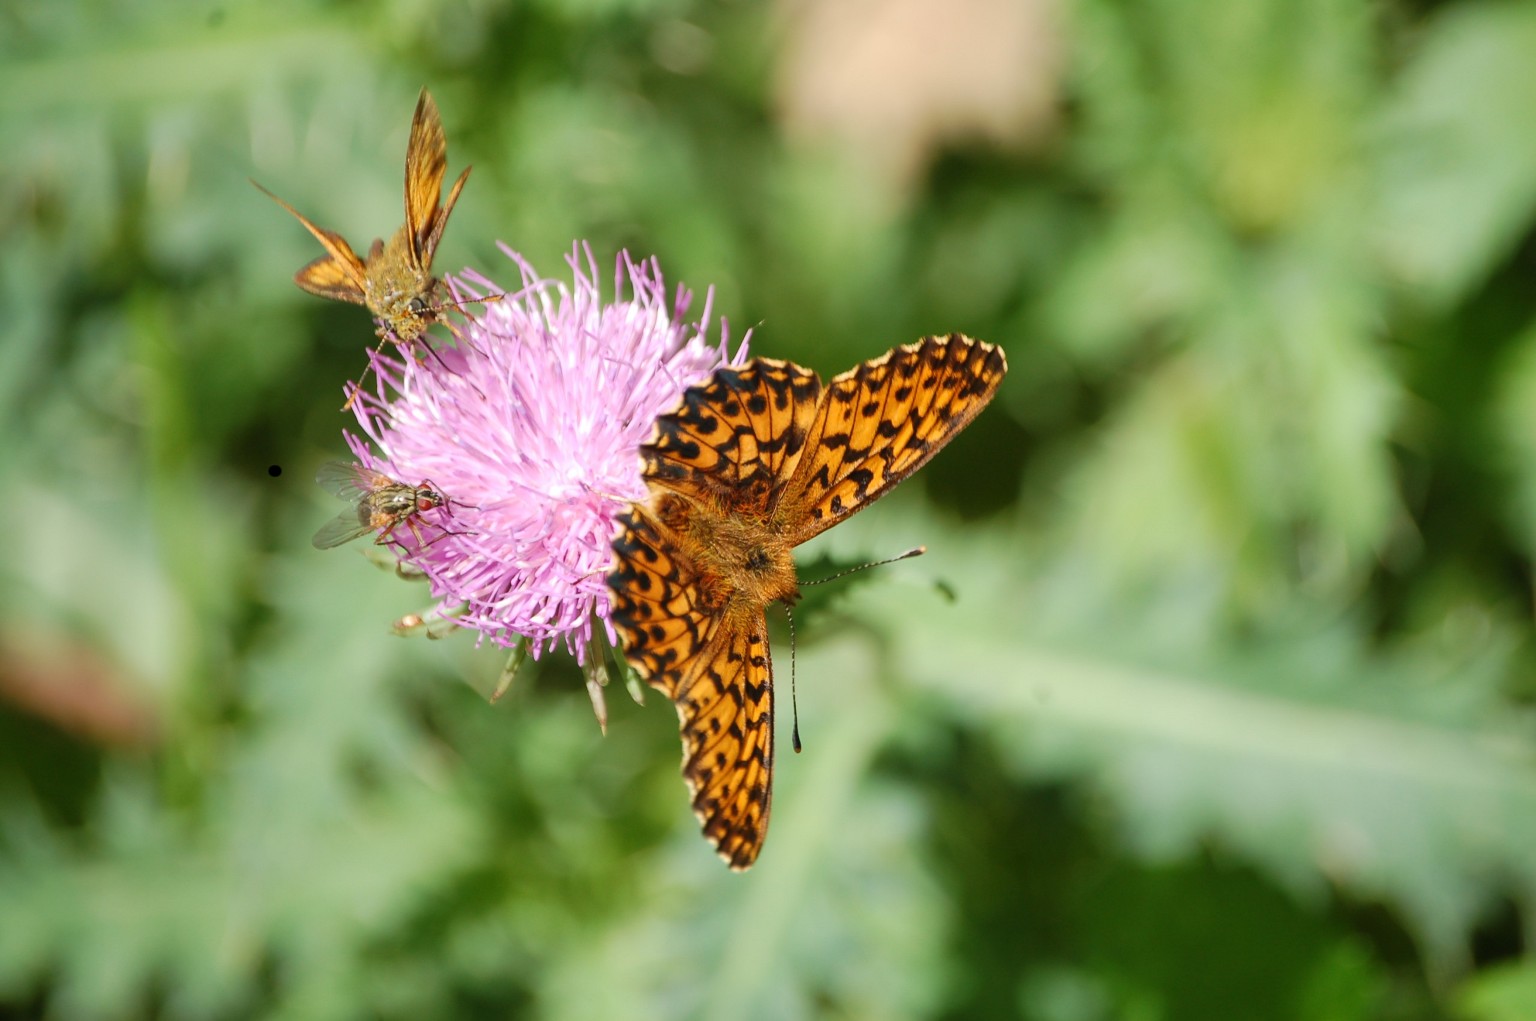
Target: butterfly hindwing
[714, 667]
[440, 221]
[659, 606]
[330, 277]
[725, 711]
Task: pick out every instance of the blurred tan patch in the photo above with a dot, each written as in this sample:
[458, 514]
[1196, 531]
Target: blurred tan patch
[895, 80]
[65, 682]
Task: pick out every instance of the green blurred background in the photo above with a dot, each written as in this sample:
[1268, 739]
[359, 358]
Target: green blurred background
[1212, 699]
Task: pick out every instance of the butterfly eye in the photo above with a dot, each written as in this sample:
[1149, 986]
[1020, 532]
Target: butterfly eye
[417, 305]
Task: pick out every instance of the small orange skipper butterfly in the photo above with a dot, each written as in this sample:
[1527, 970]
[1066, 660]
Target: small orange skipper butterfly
[395, 282]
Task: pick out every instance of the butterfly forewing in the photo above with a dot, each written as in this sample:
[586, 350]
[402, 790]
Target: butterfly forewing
[338, 274]
[738, 436]
[426, 161]
[881, 421]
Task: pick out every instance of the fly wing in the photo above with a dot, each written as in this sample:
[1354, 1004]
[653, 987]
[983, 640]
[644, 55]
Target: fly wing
[344, 527]
[350, 481]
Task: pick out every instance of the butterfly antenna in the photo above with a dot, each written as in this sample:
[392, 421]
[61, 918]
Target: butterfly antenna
[916, 551]
[483, 300]
[794, 704]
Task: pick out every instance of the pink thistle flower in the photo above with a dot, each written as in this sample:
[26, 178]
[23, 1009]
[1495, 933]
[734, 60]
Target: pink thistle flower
[530, 426]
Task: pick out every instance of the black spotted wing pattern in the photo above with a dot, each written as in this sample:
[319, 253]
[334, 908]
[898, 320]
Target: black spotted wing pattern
[659, 605]
[881, 421]
[736, 438]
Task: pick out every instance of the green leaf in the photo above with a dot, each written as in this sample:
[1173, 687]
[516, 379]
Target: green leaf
[1501, 993]
[1457, 180]
[1318, 761]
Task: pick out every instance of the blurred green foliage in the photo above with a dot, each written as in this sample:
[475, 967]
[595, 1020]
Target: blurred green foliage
[1211, 701]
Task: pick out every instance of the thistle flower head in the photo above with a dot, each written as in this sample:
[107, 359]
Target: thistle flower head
[530, 426]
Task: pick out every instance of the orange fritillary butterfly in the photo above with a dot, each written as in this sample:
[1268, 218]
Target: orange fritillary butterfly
[753, 463]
